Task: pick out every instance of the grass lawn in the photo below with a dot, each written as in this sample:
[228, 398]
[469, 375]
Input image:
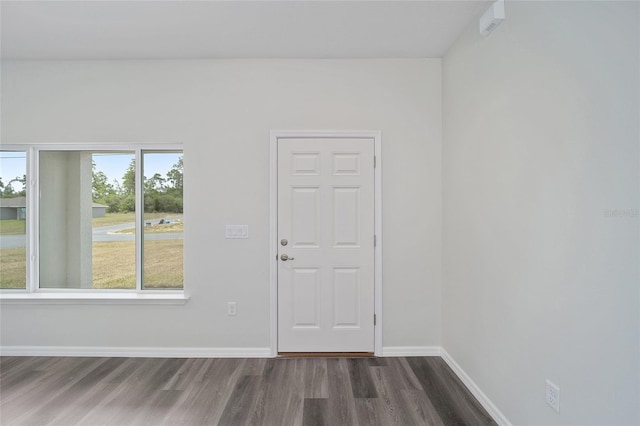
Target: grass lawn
[163, 264]
[13, 264]
[118, 218]
[13, 227]
[157, 228]
[113, 265]
[16, 227]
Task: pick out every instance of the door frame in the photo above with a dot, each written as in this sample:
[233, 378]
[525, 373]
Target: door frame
[274, 136]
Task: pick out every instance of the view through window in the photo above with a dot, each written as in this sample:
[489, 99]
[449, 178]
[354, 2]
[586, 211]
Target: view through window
[113, 190]
[13, 219]
[87, 219]
[163, 243]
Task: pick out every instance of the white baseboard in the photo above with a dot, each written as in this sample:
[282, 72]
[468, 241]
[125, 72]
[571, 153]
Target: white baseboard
[138, 352]
[411, 351]
[475, 390]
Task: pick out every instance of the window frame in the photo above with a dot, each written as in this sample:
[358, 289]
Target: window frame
[33, 293]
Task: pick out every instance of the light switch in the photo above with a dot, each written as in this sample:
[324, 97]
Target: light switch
[237, 231]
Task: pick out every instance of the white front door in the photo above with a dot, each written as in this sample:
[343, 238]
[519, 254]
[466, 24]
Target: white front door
[326, 229]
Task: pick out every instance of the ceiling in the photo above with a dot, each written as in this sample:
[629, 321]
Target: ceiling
[232, 29]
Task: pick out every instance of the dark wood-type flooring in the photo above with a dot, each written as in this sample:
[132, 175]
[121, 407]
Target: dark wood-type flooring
[273, 392]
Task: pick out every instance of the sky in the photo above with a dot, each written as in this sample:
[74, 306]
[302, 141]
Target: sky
[114, 165]
[12, 165]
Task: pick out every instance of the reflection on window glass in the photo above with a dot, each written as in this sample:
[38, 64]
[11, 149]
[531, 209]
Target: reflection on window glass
[87, 219]
[13, 219]
[163, 224]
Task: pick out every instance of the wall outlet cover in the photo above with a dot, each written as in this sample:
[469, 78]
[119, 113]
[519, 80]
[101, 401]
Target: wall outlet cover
[553, 396]
[232, 309]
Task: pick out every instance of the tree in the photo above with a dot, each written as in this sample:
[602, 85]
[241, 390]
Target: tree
[127, 203]
[155, 183]
[112, 201]
[9, 191]
[175, 175]
[169, 203]
[102, 191]
[23, 182]
[101, 187]
[129, 179]
[117, 188]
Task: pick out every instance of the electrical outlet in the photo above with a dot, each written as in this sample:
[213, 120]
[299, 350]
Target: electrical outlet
[232, 309]
[553, 396]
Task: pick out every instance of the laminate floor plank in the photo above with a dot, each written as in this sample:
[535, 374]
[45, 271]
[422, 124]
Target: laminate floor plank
[81, 388]
[99, 406]
[404, 376]
[205, 401]
[155, 411]
[370, 411]
[342, 406]
[182, 374]
[316, 384]
[21, 408]
[190, 386]
[167, 372]
[449, 397]
[361, 382]
[390, 399]
[66, 391]
[281, 395]
[420, 408]
[470, 409]
[377, 362]
[253, 366]
[122, 405]
[129, 366]
[74, 410]
[11, 366]
[237, 411]
[13, 385]
[315, 412]
[8, 363]
[440, 399]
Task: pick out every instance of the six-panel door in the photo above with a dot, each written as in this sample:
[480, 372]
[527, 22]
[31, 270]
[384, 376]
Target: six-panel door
[326, 215]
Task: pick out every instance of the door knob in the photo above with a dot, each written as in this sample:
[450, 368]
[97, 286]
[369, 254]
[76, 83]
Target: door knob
[285, 257]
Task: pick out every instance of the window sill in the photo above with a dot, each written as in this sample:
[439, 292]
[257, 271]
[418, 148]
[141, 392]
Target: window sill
[98, 298]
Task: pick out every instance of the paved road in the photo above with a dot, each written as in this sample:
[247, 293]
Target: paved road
[13, 241]
[101, 234]
[131, 237]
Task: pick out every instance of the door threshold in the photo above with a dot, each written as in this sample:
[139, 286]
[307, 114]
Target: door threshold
[325, 355]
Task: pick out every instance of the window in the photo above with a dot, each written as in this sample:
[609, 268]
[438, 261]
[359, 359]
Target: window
[162, 242]
[86, 212]
[107, 219]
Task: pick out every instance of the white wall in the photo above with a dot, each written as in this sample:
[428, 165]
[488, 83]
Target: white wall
[223, 111]
[541, 139]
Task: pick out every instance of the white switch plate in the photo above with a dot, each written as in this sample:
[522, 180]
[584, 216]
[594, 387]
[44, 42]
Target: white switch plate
[237, 231]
